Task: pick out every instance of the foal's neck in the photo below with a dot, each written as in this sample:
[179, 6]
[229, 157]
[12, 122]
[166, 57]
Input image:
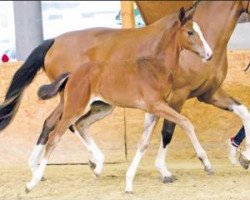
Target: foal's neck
[168, 49]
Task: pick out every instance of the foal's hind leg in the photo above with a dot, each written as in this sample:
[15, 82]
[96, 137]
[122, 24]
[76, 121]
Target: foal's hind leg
[67, 119]
[51, 144]
[98, 111]
[76, 105]
[48, 126]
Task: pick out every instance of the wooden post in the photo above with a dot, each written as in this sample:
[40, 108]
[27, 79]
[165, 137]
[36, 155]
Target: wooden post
[128, 21]
[127, 14]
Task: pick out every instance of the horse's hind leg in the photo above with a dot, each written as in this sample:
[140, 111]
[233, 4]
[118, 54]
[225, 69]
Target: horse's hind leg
[224, 101]
[48, 126]
[98, 111]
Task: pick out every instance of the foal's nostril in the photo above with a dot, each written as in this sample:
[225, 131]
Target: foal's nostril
[209, 56]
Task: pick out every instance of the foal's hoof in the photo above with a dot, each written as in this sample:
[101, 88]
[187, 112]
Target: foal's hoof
[209, 171]
[243, 161]
[129, 192]
[97, 175]
[169, 179]
[43, 179]
[27, 190]
[92, 165]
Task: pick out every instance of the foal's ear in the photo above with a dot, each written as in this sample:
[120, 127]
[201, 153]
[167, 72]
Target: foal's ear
[190, 13]
[182, 16]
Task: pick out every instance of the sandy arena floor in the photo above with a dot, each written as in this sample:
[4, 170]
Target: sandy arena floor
[77, 182]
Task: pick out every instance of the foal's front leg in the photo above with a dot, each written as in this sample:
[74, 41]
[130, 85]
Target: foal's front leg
[223, 101]
[163, 110]
[149, 125]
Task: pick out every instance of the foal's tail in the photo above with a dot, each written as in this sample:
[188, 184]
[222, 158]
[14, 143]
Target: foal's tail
[51, 90]
[22, 78]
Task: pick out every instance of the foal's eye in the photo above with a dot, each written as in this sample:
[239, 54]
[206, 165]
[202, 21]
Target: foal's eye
[190, 33]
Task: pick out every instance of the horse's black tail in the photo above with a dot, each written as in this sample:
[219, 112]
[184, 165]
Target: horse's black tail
[22, 78]
[51, 90]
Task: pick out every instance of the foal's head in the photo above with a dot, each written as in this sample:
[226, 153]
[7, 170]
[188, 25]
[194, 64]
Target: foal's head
[190, 36]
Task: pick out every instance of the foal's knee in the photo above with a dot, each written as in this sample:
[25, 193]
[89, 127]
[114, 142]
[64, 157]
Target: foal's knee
[187, 125]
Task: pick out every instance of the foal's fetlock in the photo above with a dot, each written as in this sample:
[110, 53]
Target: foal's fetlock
[92, 165]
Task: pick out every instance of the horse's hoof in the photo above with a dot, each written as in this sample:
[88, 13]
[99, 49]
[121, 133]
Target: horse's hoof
[27, 190]
[209, 171]
[243, 161]
[129, 192]
[92, 165]
[169, 179]
[97, 175]
[43, 179]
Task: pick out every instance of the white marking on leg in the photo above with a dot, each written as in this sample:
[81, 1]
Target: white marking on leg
[35, 157]
[208, 49]
[149, 125]
[160, 161]
[97, 156]
[197, 146]
[37, 176]
[132, 170]
[243, 113]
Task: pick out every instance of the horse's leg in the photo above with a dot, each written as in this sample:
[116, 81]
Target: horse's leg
[48, 126]
[149, 125]
[167, 134]
[223, 101]
[160, 163]
[163, 110]
[96, 113]
[69, 116]
[53, 140]
[76, 105]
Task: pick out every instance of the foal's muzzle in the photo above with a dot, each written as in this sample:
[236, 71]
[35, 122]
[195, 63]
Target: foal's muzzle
[208, 56]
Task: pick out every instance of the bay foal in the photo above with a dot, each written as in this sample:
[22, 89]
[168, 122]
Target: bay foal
[144, 83]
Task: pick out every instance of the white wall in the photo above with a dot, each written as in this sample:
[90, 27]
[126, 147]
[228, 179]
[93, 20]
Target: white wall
[241, 37]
